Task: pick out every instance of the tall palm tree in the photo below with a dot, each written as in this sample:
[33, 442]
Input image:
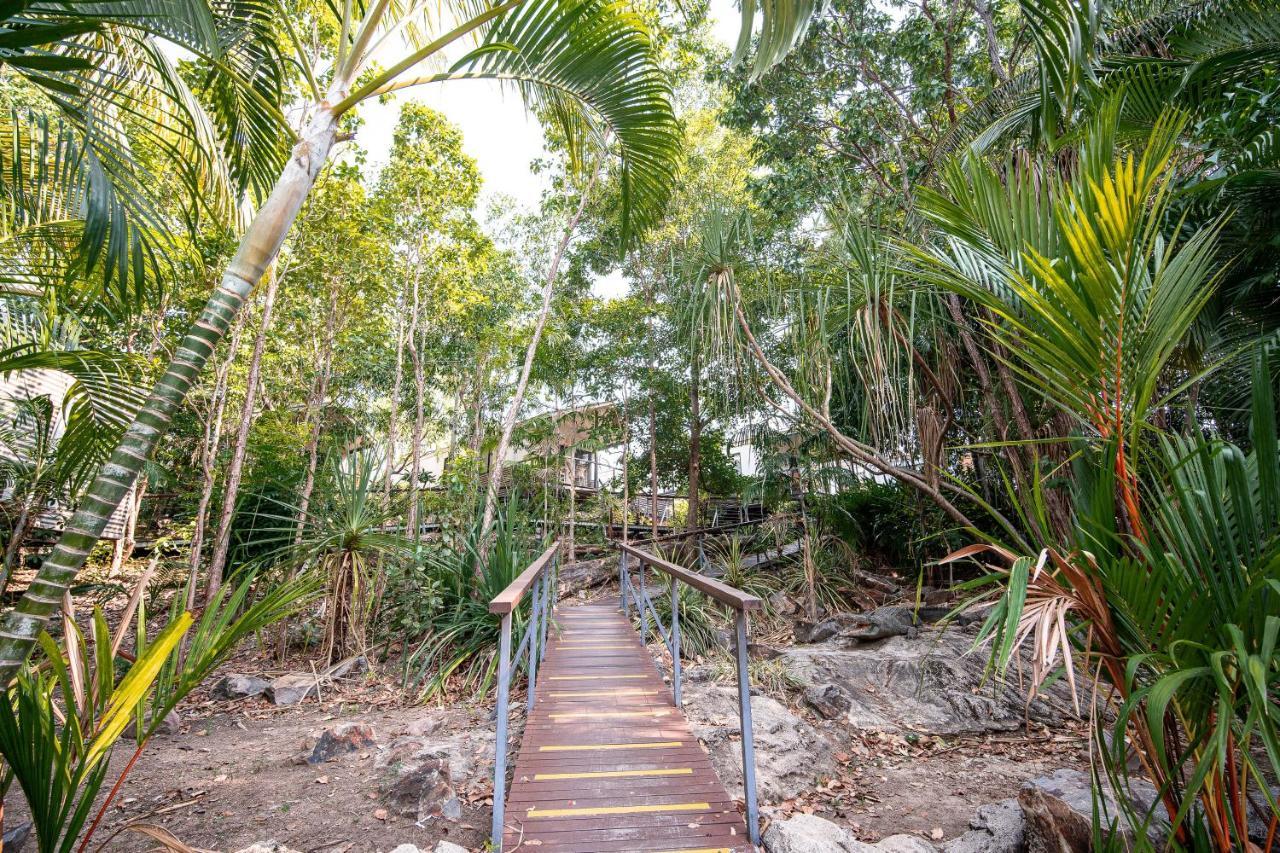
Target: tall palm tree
[585, 56]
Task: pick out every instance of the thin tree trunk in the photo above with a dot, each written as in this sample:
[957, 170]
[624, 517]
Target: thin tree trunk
[983, 8]
[419, 395]
[512, 413]
[393, 423]
[695, 439]
[573, 503]
[653, 427]
[235, 469]
[261, 243]
[208, 460]
[14, 548]
[315, 411]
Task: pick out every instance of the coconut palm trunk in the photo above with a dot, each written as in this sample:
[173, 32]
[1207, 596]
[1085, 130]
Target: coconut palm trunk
[258, 248]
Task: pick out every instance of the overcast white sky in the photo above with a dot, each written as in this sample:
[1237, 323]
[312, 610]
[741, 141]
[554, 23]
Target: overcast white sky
[496, 130]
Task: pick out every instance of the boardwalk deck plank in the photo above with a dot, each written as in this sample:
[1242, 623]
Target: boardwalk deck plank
[606, 762]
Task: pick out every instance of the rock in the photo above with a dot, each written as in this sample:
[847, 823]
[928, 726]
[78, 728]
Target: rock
[357, 665]
[15, 837]
[238, 686]
[339, 740]
[806, 833]
[791, 756]
[170, 725]
[267, 847]
[852, 628]
[405, 848]
[291, 689]
[781, 603]
[424, 726]
[422, 791]
[995, 828]
[1059, 812]
[420, 778]
[443, 846]
[904, 844]
[831, 701]
[927, 685]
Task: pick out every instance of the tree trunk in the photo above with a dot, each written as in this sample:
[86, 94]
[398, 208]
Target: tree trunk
[653, 426]
[258, 249]
[393, 423]
[695, 439]
[235, 469]
[512, 413]
[208, 460]
[315, 411]
[14, 549]
[419, 396]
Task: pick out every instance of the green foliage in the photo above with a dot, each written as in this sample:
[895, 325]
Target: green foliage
[460, 647]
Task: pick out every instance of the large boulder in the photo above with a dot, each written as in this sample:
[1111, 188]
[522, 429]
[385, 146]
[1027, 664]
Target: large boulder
[1059, 812]
[924, 684]
[904, 844]
[995, 828]
[791, 756]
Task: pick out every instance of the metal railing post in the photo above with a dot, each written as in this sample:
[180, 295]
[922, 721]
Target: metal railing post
[675, 643]
[748, 743]
[644, 611]
[548, 603]
[500, 743]
[535, 626]
[622, 583]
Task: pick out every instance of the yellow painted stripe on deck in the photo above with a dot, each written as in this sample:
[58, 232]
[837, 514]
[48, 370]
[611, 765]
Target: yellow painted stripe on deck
[608, 810]
[701, 850]
[604, 694]
[591, 715]
[596, 646]
[600, 747]
[590, 677]
[615, 774]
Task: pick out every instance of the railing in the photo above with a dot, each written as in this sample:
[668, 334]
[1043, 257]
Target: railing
[741, 603]
[543, 575]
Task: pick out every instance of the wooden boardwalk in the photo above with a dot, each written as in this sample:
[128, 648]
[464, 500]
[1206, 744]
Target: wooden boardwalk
[607, 763]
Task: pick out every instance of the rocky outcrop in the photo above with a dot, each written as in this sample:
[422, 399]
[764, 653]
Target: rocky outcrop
[267, 847]
[927, 684]
[995, 828]
[1059, 812]
[791, 756]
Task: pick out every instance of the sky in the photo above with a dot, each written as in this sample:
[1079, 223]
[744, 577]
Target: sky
[496, 130]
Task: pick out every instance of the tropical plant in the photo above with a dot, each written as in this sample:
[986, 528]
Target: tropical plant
[1183, 628]
[65, 712]
[460, 646]
[578, 57]
[351, 542]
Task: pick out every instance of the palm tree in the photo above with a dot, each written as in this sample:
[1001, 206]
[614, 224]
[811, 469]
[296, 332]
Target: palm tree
[585, 54]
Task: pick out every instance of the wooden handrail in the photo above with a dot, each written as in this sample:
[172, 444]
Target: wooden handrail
[735, 598]
[506, 601]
